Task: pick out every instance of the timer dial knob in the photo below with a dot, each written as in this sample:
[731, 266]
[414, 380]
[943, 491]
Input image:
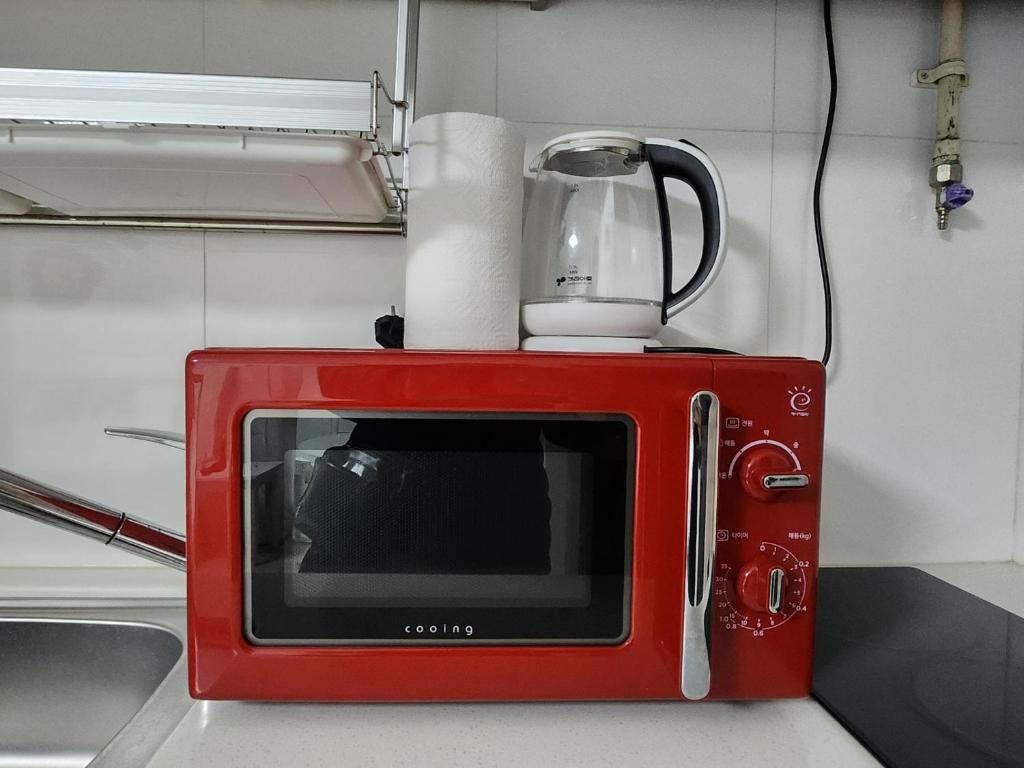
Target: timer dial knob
[766, 471]
[765, 592]
[761, 586]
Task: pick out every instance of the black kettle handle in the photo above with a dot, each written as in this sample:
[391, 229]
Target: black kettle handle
[688, 163]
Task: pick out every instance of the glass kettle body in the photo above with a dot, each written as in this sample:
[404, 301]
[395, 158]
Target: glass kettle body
[597, 246]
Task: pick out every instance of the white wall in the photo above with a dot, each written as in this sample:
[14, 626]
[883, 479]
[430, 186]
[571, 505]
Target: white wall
[924, 407]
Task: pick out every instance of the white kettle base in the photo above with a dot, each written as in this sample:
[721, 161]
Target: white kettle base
[634, 319]
[586, 344]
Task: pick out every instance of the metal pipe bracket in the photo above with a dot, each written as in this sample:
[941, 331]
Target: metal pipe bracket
[929, 78]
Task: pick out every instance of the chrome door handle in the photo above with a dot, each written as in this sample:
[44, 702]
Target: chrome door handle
[171, 439]
[702, 510]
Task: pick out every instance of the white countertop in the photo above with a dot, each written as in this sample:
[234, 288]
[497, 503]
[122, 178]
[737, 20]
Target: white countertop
[791, 733]
[769, 733]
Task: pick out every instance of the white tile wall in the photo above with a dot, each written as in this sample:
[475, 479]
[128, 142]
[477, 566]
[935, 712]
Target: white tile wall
[994, 108]
[300, 38]
[94, 329]
[144, 35]
[878, 46]
[349, 40]
[1018, 533]
[300, 290]
[925, 400]
[1018, 537]
[657, 62]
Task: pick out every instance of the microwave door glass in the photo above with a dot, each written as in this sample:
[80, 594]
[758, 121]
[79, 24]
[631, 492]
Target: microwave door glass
[383, 529]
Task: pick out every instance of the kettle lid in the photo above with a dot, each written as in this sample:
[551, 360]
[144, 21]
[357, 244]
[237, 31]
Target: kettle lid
[591, 154]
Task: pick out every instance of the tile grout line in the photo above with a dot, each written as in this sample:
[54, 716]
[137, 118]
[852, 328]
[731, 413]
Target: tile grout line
[771, 183]
[204, 291]
[768, 132]
[1017, 535]
[497, 56]
[202, 38]
[585, 123]
[929, 139]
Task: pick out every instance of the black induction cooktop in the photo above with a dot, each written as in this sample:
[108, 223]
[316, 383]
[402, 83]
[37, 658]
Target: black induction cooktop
[923, 674]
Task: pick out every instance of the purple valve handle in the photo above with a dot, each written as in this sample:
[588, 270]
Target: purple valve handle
[957, 196]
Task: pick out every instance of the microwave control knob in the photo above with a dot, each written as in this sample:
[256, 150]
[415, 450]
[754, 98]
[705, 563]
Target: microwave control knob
[761, 587]
[767, 471]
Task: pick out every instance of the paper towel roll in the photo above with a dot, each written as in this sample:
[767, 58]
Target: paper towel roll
[464, 233]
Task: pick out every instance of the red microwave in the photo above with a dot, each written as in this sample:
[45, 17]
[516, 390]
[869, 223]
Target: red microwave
[457, 526]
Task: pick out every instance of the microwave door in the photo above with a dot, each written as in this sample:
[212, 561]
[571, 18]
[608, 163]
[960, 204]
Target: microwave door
[428, 528]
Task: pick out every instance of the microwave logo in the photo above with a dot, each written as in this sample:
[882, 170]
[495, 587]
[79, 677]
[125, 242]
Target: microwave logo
[447, 630]
[799, 401]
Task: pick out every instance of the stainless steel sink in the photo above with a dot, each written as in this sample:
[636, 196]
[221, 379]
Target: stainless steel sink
[69, 685]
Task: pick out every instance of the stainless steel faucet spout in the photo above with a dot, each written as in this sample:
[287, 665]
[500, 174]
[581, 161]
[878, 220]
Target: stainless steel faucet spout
[53, 506]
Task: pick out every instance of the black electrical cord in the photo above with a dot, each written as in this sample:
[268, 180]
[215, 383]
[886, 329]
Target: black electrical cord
[822, 158]
[691, 350]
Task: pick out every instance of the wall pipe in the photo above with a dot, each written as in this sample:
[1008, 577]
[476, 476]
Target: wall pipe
[949, 78]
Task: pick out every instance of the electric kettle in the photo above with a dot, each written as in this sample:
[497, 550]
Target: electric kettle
[597, 241]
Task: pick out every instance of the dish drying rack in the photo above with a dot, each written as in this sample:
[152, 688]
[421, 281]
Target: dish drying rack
[213, 152]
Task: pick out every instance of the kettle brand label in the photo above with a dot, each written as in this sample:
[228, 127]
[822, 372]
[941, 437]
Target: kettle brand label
[574, 277]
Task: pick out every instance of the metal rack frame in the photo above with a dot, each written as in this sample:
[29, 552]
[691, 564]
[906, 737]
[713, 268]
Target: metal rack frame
[404, 108]
[403, 103]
